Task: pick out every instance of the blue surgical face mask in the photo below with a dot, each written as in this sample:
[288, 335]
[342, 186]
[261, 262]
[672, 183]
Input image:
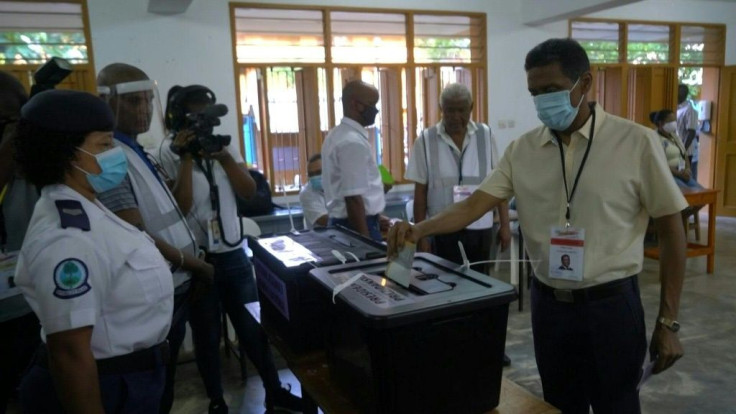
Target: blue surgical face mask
[316, 182]
[554, 109]
[114, 166]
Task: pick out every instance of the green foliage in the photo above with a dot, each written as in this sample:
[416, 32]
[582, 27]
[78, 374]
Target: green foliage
[601, 51]
[436, 49]
[38, 47]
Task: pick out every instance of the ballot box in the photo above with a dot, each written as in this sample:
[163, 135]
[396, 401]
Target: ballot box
[434, 347]
[288, 296]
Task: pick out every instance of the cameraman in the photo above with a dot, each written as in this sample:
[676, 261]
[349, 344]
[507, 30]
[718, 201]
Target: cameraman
[208, 173]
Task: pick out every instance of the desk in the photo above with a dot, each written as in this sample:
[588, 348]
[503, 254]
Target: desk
[318, 389]
[697, 197]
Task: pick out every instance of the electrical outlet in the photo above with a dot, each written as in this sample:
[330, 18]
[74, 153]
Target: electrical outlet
[511, 123]
[502, 124]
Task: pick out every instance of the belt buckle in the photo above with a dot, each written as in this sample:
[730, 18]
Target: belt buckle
[564, 295]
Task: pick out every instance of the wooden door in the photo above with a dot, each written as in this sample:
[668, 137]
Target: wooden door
[608, 89]
[726, 144]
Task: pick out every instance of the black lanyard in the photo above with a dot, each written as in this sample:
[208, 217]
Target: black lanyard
[459, 162]
[569, 194]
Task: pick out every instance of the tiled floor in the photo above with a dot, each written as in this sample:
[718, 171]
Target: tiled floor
[704, 381]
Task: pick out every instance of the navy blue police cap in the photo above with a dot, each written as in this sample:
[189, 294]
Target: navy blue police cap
[68, 111]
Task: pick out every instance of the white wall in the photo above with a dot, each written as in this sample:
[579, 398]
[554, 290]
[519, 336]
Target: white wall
[195, 47]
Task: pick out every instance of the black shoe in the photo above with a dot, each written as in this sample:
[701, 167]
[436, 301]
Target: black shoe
[506, 360]
[282, 399]
[218, 406]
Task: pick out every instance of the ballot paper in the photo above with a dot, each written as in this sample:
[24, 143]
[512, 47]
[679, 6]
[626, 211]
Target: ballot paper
[399, 269]
[647, 372]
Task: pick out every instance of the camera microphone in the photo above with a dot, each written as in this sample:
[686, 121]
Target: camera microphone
[216, 111]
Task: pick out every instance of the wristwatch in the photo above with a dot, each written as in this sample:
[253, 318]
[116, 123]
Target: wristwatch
[673, 326]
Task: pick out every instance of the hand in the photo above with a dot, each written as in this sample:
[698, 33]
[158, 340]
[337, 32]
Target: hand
[183, 138]
[665, 347]
[424, 245]
[222, 156]
[685, 174]
[504, 237]
[384, 223]
[204, 272]
[398, 234]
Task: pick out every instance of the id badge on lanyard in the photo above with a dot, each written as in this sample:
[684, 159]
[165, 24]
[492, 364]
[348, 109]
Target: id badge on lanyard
[214, 236]
[460, 193]
[566, 253]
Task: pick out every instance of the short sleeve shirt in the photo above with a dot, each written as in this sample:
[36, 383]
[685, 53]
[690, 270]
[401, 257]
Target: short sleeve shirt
[625, 181]
[201, 212]
[313, 204]
[349, 169]
[687, 119]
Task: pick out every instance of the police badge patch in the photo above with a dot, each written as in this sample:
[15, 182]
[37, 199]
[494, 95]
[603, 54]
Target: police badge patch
[70, 277]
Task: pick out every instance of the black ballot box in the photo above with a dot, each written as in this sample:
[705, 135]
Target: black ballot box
[290, 301]
[435, 347]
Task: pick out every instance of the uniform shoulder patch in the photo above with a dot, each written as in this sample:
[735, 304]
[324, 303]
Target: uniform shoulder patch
[70, 278]
[72, 214]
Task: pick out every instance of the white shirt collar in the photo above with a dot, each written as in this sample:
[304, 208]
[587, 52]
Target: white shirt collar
[355, 125]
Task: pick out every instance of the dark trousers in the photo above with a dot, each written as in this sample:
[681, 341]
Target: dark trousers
[234, 287]
[477, 245]
[133, 393]
[19, 337]
[176, 336]
[374, 227]
[590, 354]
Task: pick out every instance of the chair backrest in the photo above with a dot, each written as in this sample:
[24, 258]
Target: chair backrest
[250, 227]
[410, 210]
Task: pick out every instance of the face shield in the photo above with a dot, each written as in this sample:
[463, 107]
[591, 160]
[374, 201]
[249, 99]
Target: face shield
[137, 109]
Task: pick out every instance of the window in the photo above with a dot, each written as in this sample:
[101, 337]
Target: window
[33, 32]
[648, 43]
[293, 62]
[601, 40]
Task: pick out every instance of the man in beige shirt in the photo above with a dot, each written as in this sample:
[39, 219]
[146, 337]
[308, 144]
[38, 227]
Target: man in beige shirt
[585, 185]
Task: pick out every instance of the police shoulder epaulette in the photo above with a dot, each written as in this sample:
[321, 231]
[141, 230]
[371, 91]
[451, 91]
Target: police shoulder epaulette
[72, 214]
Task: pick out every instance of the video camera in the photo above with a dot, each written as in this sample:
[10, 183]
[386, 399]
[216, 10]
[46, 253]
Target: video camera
[202, 124]
[50, 74]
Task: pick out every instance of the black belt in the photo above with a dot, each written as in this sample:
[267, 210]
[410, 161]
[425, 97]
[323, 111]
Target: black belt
[585, 295]
[138, 361]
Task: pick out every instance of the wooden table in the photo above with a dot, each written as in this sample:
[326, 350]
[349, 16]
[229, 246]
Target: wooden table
[697, 197]
[318, 388]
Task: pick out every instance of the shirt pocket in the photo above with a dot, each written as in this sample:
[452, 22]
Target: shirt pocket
[151, 272]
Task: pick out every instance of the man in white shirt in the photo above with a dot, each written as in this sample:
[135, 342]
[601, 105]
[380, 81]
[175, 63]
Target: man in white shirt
[350, 177]
[312, 196]
[687, 126]
[449, 159]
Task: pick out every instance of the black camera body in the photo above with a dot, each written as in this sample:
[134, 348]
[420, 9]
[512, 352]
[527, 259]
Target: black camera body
[203, 124]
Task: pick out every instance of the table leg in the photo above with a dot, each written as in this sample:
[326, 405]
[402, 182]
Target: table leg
[711, 237]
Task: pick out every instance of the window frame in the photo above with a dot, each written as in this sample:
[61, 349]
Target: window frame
[394, 154]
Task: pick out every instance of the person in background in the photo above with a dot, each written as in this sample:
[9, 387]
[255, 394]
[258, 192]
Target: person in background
[350, 176]
[144, 200]
[586, 184]
[453, 155]
[312, 195]
[19, 326]
[687, 126]
[101, 289]
[208, 175]
[666, 122]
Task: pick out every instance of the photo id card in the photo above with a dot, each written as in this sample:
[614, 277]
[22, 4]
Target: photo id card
[566, 250]
[214, 239]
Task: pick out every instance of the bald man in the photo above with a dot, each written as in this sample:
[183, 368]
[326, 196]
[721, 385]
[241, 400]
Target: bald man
[350, 177]
[144, 200]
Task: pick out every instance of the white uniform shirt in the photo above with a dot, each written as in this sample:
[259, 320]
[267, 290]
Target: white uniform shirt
[349, 169]
[687, 119]
[313, 204]
[111, 277]
[201, 211]
[449, 154]
[624, 181]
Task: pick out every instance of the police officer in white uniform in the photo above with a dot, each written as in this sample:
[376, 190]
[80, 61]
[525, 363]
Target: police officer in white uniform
[448, 161]
[209, 172]
[102, 291]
